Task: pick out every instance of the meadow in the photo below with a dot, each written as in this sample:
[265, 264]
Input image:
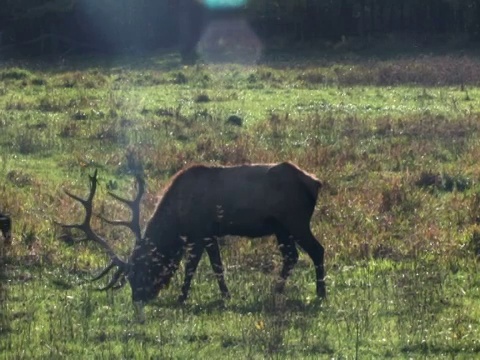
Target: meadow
[395, 141]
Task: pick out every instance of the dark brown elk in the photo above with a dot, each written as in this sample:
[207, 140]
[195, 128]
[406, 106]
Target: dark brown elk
[6, 228]
[203, 203]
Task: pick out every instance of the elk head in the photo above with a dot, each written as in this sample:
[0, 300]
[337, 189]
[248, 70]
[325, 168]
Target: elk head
[131, 270]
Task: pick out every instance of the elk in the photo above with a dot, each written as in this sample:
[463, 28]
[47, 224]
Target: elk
[201, 204]
[6, 228]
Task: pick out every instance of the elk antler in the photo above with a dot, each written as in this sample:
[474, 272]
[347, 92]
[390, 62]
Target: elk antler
[133, 225]
[134, 206]
[91, 235]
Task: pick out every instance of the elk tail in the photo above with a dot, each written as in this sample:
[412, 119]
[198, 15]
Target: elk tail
[312, 185]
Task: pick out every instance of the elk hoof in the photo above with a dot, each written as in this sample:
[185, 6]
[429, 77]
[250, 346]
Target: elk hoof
[280, 287]
[321, 291]
[226, 296]
[182, 299]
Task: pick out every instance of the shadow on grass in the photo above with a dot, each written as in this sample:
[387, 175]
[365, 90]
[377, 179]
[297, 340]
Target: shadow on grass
[271, 304]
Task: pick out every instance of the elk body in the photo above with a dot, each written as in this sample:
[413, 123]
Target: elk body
[6, 228]
[203, 203]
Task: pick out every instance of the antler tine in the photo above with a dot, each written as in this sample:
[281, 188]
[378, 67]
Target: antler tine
[85, 225]
[103, 272]
[134, 205]
[111, 284]
[140, 181]
[121, 283]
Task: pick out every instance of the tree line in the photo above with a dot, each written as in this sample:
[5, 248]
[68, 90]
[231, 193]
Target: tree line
[61, 26]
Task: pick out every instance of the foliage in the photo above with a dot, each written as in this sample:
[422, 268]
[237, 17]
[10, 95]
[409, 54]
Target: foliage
[35, 27]
[399, 213]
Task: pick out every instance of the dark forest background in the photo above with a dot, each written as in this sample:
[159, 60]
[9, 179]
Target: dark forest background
[42, 27]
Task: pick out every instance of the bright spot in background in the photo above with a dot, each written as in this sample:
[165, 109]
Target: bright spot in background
[224, 4]
[230, 40]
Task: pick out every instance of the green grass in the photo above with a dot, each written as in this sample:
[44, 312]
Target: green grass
[375, 309]
[396, 143]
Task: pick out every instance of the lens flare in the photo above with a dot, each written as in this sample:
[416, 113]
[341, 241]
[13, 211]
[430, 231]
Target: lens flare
[224, 4]
[230, 40]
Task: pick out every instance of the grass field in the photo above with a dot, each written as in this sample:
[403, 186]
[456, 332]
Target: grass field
[396, 141]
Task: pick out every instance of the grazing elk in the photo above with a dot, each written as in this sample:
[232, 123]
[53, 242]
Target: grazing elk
[201, 204]
[6, 228]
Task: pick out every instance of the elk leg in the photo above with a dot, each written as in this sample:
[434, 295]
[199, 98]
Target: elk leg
[213, 252]
[193, 258]
[290, 257]
[316, 252]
